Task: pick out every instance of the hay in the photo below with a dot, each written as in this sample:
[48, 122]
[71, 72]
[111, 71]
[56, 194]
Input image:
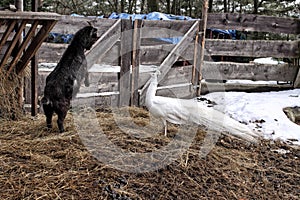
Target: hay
[37, 163]
[10, 103]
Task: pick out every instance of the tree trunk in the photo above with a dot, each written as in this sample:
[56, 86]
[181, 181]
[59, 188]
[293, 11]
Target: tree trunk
[122, 6]
[153, 6]
[168, 6]
[210, 5]
[255, 9]
[225, 6]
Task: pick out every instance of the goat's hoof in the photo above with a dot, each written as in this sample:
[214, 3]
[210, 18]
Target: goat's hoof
[49, 126]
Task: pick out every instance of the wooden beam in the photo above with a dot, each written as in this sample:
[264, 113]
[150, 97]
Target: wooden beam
[208, 87]
[103, 44]
[249, 71]
[29, 15]
[70, 24]
[251, 22]
[165, 28]
[11, 26]
[125, 62]
[34, 45]
[23, 45]
[134, 98]
[253, 48]
[13, 43]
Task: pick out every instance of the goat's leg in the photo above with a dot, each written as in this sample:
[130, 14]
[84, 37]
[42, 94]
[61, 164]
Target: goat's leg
[61, 115]
[48, 110]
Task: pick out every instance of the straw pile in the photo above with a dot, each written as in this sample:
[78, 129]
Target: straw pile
[37, 163]
[10, 107]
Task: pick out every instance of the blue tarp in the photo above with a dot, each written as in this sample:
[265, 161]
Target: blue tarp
[150, 16]
[231, 33]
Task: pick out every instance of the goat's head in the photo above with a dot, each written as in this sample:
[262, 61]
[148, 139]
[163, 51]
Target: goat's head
[87, 36]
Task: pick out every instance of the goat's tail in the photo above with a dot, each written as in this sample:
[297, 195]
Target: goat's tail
[45, 101]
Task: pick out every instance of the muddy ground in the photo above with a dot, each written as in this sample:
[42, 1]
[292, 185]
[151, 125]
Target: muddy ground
[37, 163]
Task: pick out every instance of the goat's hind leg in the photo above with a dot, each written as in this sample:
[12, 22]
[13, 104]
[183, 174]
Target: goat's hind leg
[48, 110]
[61, 115]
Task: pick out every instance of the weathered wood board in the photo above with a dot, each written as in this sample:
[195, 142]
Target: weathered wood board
[157, 53]
[251, 22]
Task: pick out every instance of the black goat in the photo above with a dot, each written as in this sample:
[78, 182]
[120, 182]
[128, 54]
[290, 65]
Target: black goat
[64, 81]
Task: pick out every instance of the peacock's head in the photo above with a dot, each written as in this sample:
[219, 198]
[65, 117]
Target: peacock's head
[154, 75]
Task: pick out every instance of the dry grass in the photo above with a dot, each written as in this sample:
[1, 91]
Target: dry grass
[36, 163]
[10, 85]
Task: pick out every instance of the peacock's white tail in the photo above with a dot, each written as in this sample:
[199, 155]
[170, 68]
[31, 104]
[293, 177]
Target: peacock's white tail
[217, 121]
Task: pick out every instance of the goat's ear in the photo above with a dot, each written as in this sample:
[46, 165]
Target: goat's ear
[90, 23]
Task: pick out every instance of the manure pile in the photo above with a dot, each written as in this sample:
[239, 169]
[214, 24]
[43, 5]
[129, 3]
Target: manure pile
[36, 163]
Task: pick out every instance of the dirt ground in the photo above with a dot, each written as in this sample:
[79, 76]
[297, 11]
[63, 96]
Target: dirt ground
[36, 163]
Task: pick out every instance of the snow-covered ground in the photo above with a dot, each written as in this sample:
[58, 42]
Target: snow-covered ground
[262, 111]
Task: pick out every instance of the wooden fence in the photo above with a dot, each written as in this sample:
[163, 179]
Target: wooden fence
[130, 45]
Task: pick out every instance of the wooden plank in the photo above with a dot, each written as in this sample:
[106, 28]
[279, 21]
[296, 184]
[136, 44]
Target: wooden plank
[13, 43]
[228, 71]
[125, 62]
[34, 45]
[249, 71]
[11, 25]
[208, 87]
[51, 52]
[71, 24]
[134, 98]
[103, 44]
[174, 54]
[23, 45]
[251, 22]
[253, 48]
[165, 28]
[21, 15]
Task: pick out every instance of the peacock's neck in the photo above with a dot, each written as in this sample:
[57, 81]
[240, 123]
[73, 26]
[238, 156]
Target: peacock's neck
[151, 91]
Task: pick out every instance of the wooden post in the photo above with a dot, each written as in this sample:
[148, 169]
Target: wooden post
[125, 62]
[134, 99]
[196, 60]
[202, 39]
[297, 79]
[34, 72]
[20, 7]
